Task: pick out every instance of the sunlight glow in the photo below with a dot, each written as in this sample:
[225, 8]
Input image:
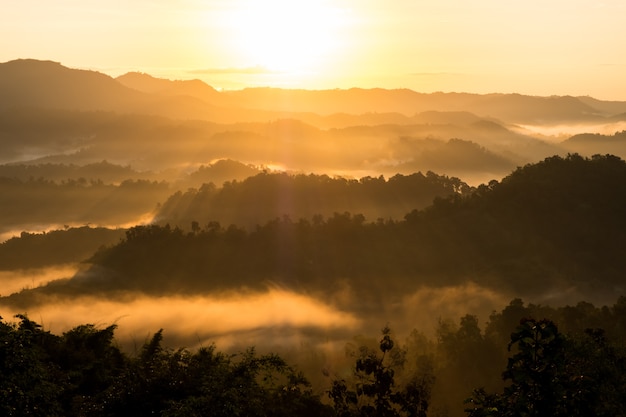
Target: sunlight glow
[285, 35]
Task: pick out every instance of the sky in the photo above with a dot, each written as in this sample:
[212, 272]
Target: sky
[538, 47]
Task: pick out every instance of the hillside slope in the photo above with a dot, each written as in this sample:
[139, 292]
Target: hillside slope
[552, 229]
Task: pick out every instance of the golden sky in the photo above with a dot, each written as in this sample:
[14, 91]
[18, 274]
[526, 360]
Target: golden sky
[540, 47]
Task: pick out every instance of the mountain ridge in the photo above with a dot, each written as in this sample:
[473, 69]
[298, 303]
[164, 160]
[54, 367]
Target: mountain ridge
[45, 83]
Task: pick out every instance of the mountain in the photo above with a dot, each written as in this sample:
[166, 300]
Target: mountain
[58, 247]
[548, 230]
[53, 114]
[606, 107]
[47, 84]
[512, 108]
[457, 157]
[264, 197]
[218, 173]
[587, 143]
[149, 84]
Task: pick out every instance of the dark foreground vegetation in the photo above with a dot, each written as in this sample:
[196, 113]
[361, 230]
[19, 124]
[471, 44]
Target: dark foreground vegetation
[560, 365]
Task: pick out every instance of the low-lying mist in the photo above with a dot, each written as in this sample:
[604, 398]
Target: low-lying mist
[16, 280]
[192, 320]
[272, 319]
[560, 132]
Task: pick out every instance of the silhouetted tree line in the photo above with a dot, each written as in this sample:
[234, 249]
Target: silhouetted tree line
[74, 244]
[265, 196]
[555, 223]
[76, 200]
[551, 367]
[103, 171]
[83, 373]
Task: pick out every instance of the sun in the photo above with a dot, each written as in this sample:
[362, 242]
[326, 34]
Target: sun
[286, 35]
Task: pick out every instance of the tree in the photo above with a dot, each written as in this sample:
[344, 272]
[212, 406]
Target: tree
[554, 375]
[375, 392]
[30, 385]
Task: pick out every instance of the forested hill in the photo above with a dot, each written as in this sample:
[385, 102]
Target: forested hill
[556, 223]
[266, 196]
[556, 226]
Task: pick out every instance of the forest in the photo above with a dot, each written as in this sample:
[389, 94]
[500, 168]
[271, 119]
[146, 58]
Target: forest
[168, 248]
[564, 234]
[559, 365]
[547, 226]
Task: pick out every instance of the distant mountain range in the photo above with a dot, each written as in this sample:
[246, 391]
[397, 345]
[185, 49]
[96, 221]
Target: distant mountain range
[97, 140]
[48, 84]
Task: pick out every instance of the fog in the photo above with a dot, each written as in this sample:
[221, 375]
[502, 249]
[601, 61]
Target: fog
[275, 318]
[16, 280]
[559, 132]
[192, 320]
[385, 214]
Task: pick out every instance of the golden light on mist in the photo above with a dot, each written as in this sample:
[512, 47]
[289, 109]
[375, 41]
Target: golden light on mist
[202, 319]
[14, 281]
[426, 307]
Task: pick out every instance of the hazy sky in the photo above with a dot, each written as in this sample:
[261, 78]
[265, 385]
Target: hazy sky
[541, 47]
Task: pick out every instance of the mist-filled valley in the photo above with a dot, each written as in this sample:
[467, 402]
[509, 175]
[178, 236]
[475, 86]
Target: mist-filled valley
[302, 222]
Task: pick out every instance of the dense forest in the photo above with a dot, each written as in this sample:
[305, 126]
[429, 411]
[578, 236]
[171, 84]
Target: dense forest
[528, 360]
[272, 233]
[261, 198]
[35, 250]
[547, 226]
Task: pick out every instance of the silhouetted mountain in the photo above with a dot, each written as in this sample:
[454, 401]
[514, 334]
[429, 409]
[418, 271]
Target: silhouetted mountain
[606, 107]
[150, 143]
[32, 83]
[47, 84]
[100, 171]
[218, 173]
[457, 157]
[266, 196]
[554, 227]
[149, 84]
[593, 143]
[327, 131]
[36, 250]
[512, 108]
[517, 108]
[458, 118]
[38, 203]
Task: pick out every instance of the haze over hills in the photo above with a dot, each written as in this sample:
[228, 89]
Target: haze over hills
[49, 84]
[547, 227]
[53, 114]
[292, 219]
[59, 123]
[89, 141]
